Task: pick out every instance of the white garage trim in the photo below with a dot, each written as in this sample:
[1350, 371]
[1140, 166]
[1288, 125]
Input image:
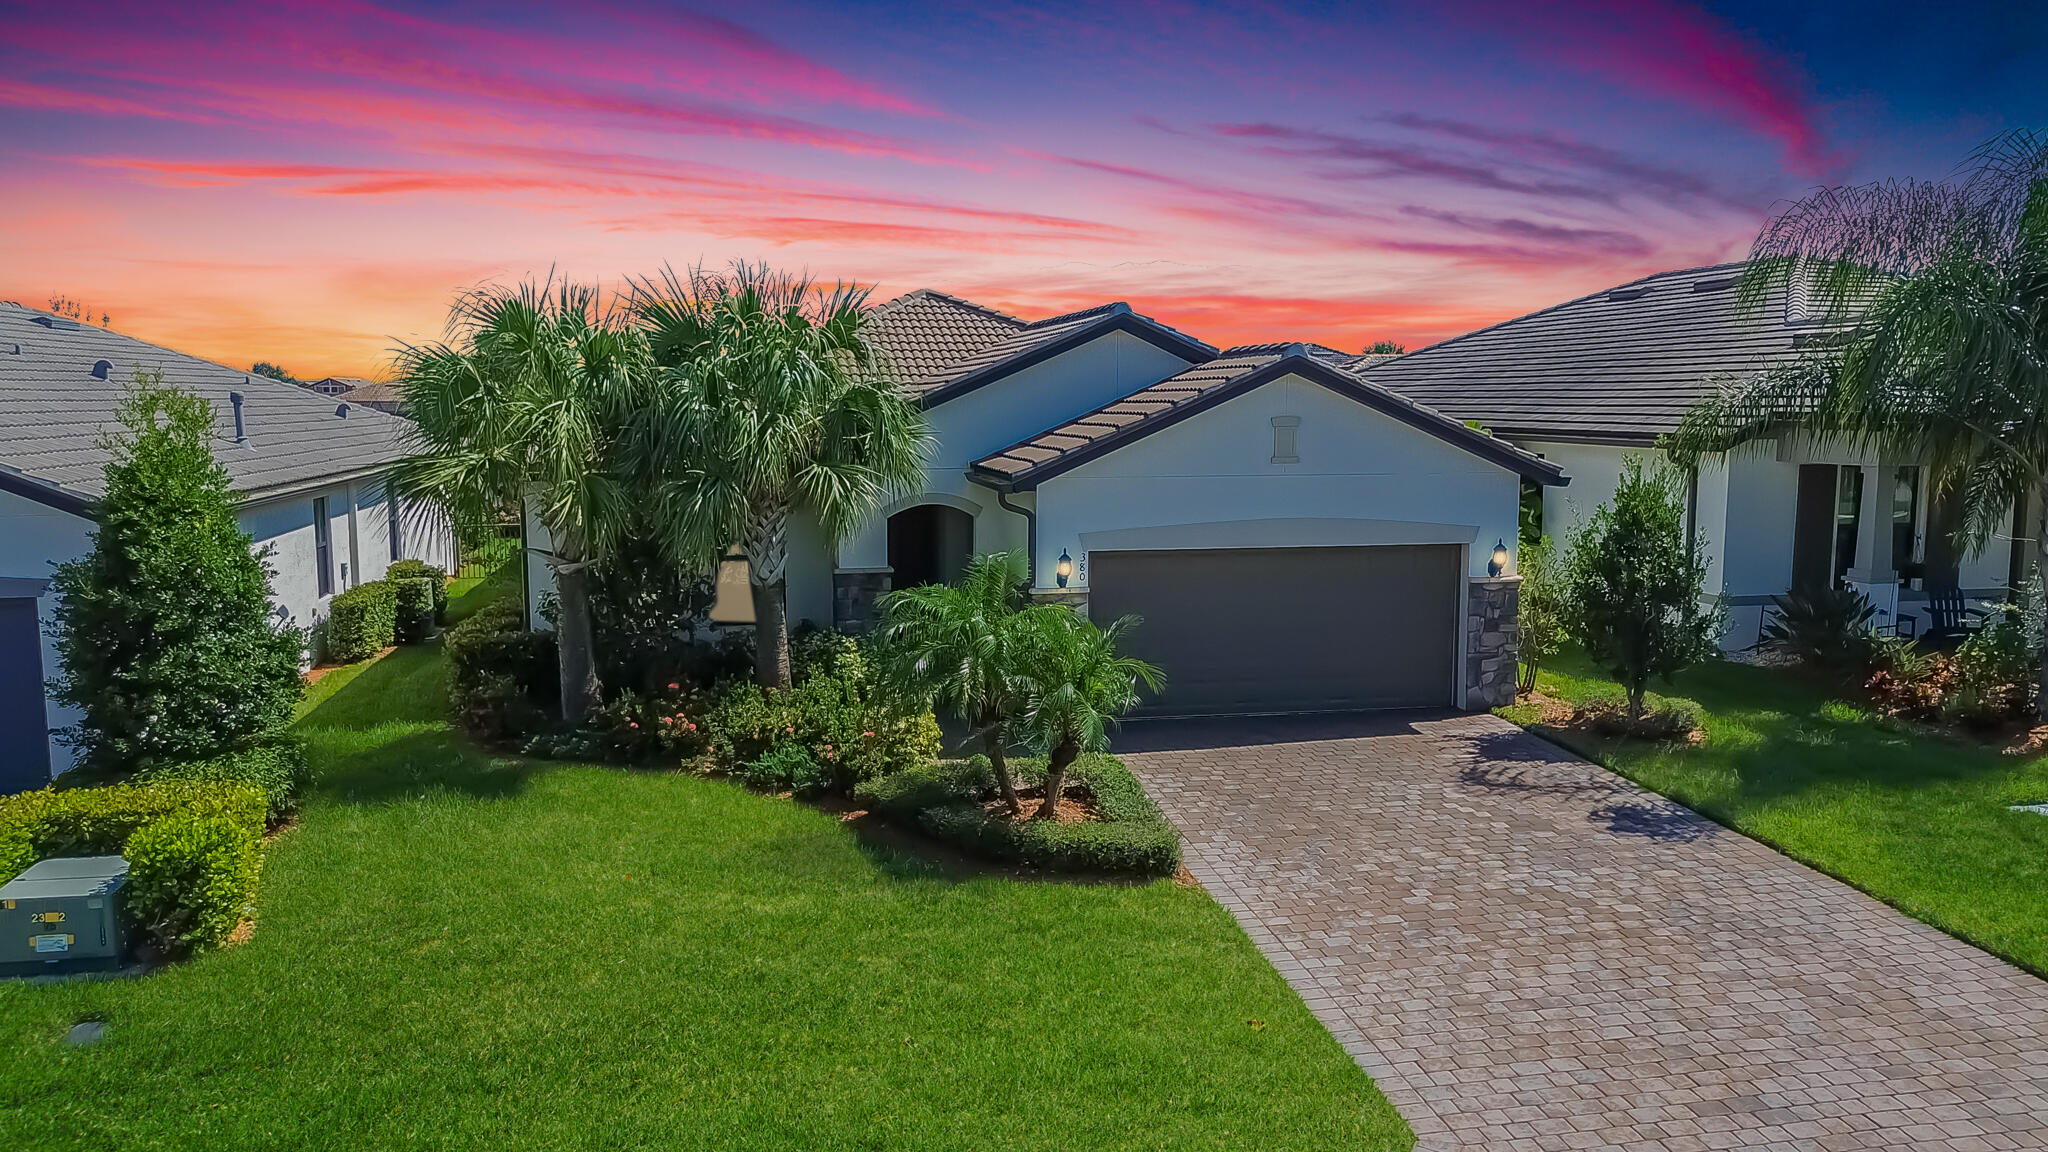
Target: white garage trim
[1298, 532]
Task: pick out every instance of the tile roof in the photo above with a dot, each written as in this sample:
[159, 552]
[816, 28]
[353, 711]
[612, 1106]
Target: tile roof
[1624, 363]
[1234, 370]
[53, 407]
[938, 342]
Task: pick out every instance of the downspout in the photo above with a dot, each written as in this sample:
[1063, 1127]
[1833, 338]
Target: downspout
[1030, 535]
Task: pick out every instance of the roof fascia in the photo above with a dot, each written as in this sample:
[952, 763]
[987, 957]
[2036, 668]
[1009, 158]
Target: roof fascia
[1185, 347]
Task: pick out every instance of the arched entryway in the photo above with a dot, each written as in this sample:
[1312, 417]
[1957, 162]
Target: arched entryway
[929, 544]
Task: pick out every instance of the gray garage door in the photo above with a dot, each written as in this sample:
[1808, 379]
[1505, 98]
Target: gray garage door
[1287, 629]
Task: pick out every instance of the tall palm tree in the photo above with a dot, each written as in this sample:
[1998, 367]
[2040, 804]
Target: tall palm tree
[1945, 358]
[771, 403]
[963, 645]
[1077, 686]
[526, 400]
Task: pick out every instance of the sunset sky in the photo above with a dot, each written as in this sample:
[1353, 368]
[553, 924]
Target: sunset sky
[311, 183]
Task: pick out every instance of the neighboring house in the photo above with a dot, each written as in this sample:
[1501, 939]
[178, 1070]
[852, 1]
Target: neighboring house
[1294, 537]
[382, 396]
[309, 470]
[1589, 381]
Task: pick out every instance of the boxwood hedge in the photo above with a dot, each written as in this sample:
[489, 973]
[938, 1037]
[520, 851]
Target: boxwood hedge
[946, 799]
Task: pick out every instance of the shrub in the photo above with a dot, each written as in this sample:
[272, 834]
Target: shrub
[1130, 835]
[503, 681]
[277, 768]
[183, 879]
[361, 622]
[1636, 586]
[437, 580]
[857, 731]
[1995, 669]
[904, 794]
[644, 608]
[634, 729]
[1545, 609]
[165, 638]
[1827, 628]
[788, 767]
[191, 878]
[412, 605]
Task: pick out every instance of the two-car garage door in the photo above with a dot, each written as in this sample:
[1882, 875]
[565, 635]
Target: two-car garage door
[1246, 630]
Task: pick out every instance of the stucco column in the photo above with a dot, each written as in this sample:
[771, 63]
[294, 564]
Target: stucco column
[1873, 563]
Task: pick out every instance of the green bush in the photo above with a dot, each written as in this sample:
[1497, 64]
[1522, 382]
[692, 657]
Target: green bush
[361, 622]
[503, 681]
[947, 802]
[412, 609]
[436, 578]
[634, 729]
[855, 730]
[275, 767]
[191, 878]
[788, 768]
[1825, 628]
[1995, 672]
[183, 879]
[166, 640]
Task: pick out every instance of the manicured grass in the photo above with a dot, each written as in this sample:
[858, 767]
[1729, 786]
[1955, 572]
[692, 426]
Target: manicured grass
[1917, 819]
[459, 951]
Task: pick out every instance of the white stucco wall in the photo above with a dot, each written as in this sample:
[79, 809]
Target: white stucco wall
[35, 538]
[1000, 414]
[1209, 482]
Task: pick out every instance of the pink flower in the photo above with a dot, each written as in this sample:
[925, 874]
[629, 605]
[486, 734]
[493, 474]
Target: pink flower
[867, 733]
[693, 727]
[789, 729]
[632, 724]
[673, 687]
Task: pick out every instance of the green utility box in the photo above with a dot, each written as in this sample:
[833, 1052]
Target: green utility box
[63, 915]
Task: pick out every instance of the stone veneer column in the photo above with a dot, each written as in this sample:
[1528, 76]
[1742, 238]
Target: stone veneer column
[1493, 610]
[854, 592]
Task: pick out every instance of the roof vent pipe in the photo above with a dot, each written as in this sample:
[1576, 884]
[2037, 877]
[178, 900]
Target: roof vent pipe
[100, 368]
[341, 410]
[241, 432]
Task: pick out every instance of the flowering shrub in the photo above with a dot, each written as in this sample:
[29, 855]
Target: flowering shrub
[839, 712]
[666, 726]
[1987, 680]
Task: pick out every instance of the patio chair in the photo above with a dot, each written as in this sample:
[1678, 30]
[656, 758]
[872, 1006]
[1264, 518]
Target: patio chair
[1950, 617]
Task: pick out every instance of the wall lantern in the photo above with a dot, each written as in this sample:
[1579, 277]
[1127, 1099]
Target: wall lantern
[1064, 568]
[1499, 563]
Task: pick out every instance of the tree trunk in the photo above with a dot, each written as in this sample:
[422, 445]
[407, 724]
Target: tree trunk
[771, 635]
[578, 664]
[1056, 766]
[1635, 703]
[2041, 560]
[767, 549]
[992, 743]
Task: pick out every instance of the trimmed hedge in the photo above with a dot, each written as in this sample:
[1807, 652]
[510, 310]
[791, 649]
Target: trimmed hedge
[412, 609]
[503, 681]
[194, 849]
[362, 622]
[945, 801]
[437, 579]
[276, 767]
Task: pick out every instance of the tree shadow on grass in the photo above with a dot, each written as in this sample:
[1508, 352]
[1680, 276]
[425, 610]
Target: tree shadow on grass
[908, 854]
[384, 736]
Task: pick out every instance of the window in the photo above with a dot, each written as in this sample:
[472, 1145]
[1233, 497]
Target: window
[1905, 516]
[323, 547]
[1848, 506]
[396, 528]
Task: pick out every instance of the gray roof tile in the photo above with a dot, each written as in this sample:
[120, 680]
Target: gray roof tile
[932, 340]
[1623, 363]
[53, 408]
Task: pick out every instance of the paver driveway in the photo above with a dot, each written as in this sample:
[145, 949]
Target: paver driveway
[1528, 952]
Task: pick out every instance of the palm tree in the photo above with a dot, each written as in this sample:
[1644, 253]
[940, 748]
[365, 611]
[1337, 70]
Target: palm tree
[772, 402]
[962, 645]
[1946, 357]
[1076, 687]
[526, 400]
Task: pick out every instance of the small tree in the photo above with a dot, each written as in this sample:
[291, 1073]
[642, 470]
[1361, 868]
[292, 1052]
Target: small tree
[274, 371]
[963, 646]
[1546, 608]
[165, 635]
[1635, 584]
[1076, 687]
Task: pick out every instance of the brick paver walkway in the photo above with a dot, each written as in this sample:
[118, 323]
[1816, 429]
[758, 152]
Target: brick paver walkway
[1527, 952]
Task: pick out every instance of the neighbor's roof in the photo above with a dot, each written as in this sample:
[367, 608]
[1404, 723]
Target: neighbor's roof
[940, 346]
[1623, 364]
[1235, 371]
[346, 383]
[53, 406]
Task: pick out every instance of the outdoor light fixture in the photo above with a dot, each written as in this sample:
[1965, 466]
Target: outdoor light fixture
[1499, 563]
[1064, 568]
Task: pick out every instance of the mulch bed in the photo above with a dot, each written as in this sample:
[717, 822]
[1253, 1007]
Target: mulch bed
[1603, 719]
[1068, 811]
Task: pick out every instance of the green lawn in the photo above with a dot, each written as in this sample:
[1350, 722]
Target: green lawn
[1918, 820]
[459, 951]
